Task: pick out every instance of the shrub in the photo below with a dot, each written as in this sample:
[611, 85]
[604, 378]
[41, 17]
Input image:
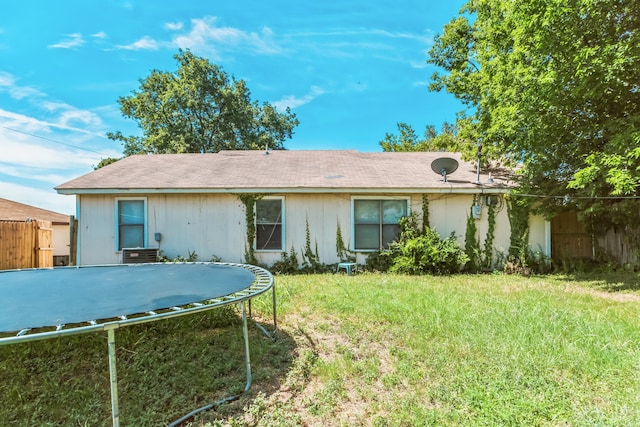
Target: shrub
[423, 251]
[428, 253]
[288, 264]
[379, 261]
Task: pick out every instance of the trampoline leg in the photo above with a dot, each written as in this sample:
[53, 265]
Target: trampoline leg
[115, 415]
[273, 305]
[247, 357]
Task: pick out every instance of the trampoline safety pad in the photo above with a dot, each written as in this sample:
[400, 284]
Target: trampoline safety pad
[51, 297]
[45, 303]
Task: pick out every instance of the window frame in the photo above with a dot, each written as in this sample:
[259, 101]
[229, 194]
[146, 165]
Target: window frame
[117, 220]
[380, 224]
[282, 224]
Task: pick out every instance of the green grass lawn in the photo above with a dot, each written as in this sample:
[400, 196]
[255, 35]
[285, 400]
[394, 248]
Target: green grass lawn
[370, 350]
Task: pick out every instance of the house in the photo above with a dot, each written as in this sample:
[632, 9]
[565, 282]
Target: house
[60, 234]
[206, 203]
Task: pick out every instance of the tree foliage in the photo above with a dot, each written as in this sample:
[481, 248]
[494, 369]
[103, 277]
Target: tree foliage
[408, 140]
[105, 162]
[553, 85]
[200, 109]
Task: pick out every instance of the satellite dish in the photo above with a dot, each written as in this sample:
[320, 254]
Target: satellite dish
[444, 166]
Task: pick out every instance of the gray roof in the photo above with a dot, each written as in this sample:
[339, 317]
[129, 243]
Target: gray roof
[283, 171]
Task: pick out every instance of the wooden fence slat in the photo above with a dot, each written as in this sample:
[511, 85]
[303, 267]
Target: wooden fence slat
[570, 240]
[44, 244]
[26, 244]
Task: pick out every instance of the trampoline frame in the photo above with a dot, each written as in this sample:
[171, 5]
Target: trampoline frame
[262, 283]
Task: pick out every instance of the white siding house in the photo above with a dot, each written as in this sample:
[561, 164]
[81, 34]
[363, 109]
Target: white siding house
[190, 203]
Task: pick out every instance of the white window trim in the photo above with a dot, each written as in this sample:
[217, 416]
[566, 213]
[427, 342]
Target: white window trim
[117, 225]
[352, 244]
[282, 221]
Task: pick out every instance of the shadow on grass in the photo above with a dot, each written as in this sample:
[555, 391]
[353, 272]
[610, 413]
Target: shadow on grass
[608, 280]
[165, 370]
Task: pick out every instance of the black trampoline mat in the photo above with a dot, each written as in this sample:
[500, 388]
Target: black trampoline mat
[51, 297]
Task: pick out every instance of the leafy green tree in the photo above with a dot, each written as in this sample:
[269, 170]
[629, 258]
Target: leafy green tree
[200, 109]
[407, 139]
[553, 85]
[105, 162]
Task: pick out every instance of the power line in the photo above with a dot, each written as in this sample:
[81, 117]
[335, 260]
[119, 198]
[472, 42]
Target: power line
[574, 197]
[52, 140]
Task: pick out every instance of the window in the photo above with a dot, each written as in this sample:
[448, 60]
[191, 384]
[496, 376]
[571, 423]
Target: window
[269, 230]
[131, 223]
[375, 222]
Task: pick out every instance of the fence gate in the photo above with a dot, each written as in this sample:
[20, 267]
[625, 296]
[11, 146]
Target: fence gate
[26, 244]
[569, 239]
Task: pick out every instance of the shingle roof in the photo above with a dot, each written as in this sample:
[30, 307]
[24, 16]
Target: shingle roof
[14, 211]
[280, 170]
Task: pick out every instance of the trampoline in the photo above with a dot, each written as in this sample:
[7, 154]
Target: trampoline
[40, 304]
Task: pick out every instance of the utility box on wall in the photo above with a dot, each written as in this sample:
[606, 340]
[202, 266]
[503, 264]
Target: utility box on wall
[476, 211]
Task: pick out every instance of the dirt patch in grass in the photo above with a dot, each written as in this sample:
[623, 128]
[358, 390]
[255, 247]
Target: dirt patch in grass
[316, 389]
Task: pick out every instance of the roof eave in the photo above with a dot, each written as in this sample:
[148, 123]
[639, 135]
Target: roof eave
[283, 190]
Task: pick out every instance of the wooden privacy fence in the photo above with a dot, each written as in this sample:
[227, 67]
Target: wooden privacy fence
[26, 244]
[615, 244]
[569, 238]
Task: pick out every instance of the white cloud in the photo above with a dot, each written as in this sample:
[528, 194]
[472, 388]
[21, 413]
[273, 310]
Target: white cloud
[36, 162]
[32, 165]
[173, 26]
[90, 123]
[100, 35]
[40, 176]
[206, 35]
[54, 143]
[8, 83]
[6, 79]
[292, 101]
[73, 40]
[20, 92]
[361, 43]
[81, 117]
[68, 114]
[145, 43]
[419, 64]
[39, 197]
[51, 114]
[36, 144]
[426, 39]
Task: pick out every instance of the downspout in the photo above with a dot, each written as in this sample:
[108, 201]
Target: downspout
[78, 230]
[547, 239]
[478, 168]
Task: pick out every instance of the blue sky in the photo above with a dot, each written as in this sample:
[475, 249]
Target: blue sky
[350, 70]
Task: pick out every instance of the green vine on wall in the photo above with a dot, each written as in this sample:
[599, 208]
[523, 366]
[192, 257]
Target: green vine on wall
[518, 211]
[425, 213]
[310, 258]
[249, 201]
[344, 255]
[471, 242]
